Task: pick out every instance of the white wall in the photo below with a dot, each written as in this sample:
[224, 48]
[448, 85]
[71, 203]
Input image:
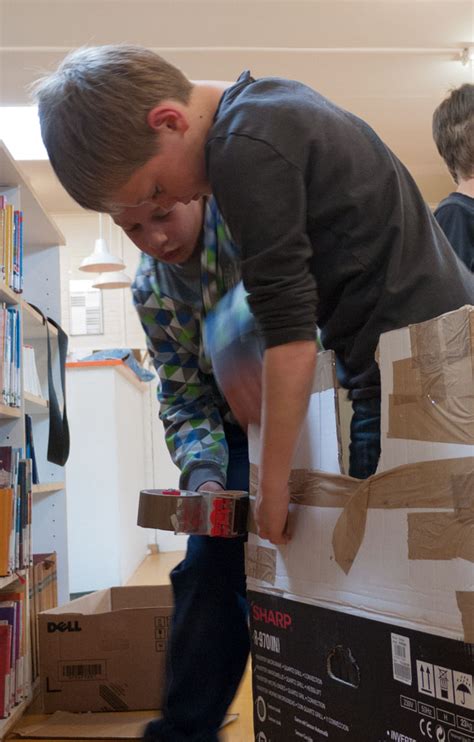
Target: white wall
[121, 330]
[121, 325]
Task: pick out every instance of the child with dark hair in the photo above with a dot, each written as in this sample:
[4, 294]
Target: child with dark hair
[453, 132]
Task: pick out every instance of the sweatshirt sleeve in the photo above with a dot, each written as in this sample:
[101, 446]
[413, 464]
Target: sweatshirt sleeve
[263, 199]
[189, 411]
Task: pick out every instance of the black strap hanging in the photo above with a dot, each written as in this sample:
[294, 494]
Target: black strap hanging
[58, 440]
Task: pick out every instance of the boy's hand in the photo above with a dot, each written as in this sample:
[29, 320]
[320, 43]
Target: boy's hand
[271, 516]
[210, 487]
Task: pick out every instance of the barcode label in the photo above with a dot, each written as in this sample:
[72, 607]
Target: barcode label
[95, 670]
[401, 659]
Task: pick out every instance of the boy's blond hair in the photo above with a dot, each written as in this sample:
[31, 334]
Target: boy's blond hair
[93, 114]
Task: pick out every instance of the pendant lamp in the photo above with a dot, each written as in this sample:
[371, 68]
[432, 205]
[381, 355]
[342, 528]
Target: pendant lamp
[112, 280]
[117, 279]
[101, 260]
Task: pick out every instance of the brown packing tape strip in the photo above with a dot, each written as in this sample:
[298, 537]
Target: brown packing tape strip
[156, 512]
[406, 378]
[439, 342]
[314, 488]
[465, 601]
[260, 563]
[427, 484]
[421, 418]
[433, 391]
[462, 485]
[453, 380]
[440, 536]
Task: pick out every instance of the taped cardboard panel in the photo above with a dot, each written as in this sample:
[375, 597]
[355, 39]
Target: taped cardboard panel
[426, 484]
[325, 372]
[260, 563]
[449, 420]
[251, 524]
[440, 536]
[465, 601]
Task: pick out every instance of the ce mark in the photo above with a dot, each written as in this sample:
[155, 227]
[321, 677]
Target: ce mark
[426, 728]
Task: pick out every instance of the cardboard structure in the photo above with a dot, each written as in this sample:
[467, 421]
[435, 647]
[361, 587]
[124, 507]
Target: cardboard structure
[362, 626]
[105, 651]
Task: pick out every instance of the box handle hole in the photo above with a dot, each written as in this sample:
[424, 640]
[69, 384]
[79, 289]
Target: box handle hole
[342, 667]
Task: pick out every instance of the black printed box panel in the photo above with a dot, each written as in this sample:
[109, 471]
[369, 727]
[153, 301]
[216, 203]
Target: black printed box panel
[321, 674]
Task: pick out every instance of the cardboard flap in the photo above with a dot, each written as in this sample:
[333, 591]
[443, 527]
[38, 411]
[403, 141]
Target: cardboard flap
[97, 602]
[141, 596]
[110, 725]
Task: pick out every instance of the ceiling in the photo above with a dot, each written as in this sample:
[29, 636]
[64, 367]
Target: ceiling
[389, 61]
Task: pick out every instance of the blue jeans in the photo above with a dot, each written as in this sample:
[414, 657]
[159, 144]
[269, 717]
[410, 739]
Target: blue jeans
[364, 449]
[209, 643]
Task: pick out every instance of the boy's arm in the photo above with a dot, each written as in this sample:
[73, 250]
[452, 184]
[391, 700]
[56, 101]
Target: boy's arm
[265, 206]
[288, 373]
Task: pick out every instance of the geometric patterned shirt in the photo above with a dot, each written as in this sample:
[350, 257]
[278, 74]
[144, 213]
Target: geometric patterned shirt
[172, 301]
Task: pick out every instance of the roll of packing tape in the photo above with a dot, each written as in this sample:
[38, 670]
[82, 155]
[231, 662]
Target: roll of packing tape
[221, 513]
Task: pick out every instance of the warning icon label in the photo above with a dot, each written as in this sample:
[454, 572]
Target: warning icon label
[443, 684]
[425, 673]
[463, 690]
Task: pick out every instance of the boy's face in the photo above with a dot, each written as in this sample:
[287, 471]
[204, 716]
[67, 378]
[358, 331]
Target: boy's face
[170, 236]
[176, 174]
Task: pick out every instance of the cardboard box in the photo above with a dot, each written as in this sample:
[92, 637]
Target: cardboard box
[105, 651]
[362, 626]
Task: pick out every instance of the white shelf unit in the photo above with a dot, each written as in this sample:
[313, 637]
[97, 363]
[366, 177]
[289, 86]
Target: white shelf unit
[42, 241]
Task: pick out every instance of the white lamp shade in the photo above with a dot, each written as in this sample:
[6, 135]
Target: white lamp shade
[101, 260]
[112, 280]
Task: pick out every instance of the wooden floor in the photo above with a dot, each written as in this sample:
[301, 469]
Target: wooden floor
[154, 571]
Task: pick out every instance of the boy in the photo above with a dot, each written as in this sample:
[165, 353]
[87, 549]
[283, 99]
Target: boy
[453, 133]
[331, 227]
[189, 263]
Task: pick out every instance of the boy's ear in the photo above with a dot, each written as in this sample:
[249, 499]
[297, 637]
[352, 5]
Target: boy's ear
[167, 116]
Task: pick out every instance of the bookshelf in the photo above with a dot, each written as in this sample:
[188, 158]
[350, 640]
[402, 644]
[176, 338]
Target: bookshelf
[41, 239]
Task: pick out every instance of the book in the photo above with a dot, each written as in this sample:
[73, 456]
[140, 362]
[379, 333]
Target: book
[2, 240]
[18, 597]
[30, 449]
[11, 355]
[31, 382]
[6, 475]
[5, 653]
[15, 511]
[8, 238]
[6, 529]
[25, 508]
[8, 615]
